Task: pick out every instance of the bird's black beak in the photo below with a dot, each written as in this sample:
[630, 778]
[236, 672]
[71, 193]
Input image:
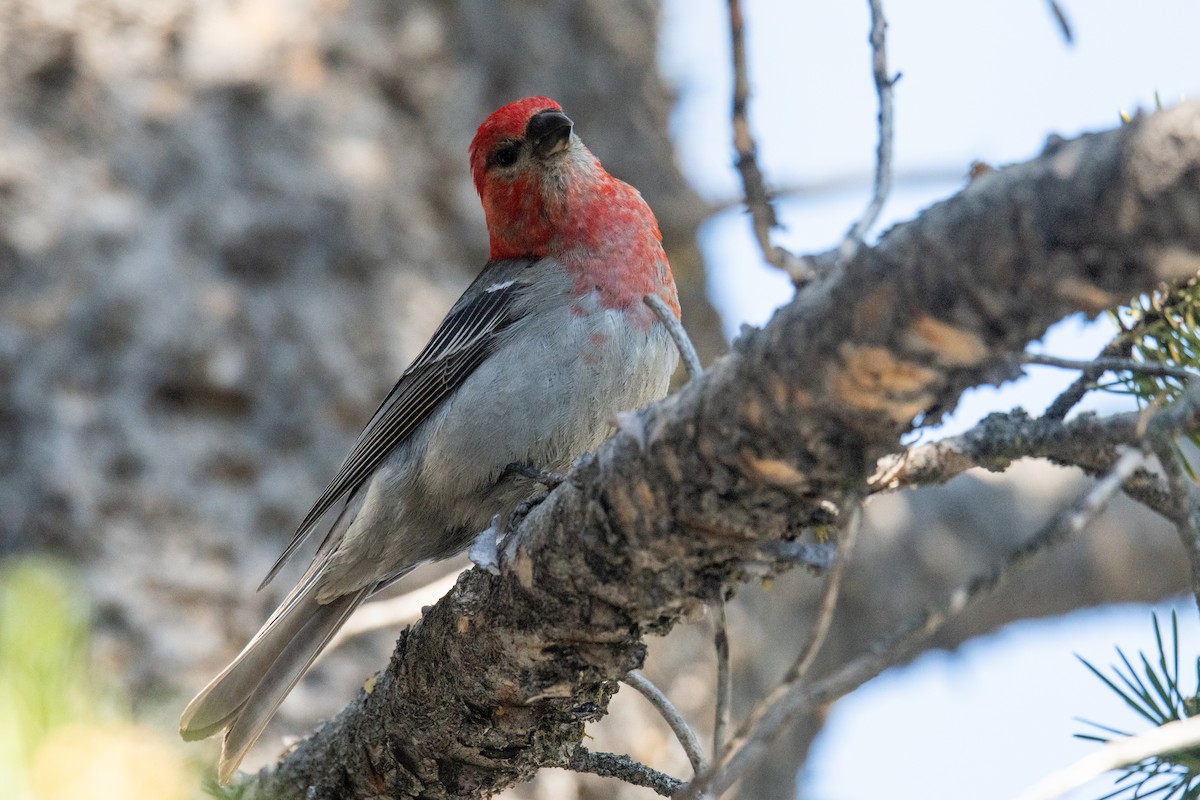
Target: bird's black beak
[550, 131]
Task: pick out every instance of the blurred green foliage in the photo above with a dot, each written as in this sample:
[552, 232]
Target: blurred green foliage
[43, 669]
[1158, 327]
[65, 733]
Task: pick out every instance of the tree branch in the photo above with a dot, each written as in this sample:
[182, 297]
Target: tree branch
[791, 698]
[758, 730]
[886, 124]
[667, 710]
[1106, 364]
[500, 677]
[1120, 347]
[724, 680]
[758, 199]
[1172, 737]
[1162, 431]
[1088, 442]
[624, 768]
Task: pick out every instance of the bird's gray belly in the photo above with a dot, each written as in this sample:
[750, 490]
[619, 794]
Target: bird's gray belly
[547, 402]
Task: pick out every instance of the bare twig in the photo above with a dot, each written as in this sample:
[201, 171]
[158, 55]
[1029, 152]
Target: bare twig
[683, 732]
[724, 681]
[624, 768]
[788, 700]
[883, 151]
[758, 199]
[751, 737]
[758, 202]
[1169, 738]
[1186, 509]
[1181, 416]
[829, 598]
[1064, 24]
[1161, 431]
[687, 351]
[1099, 366]
[1120, 347]
[1087, 442]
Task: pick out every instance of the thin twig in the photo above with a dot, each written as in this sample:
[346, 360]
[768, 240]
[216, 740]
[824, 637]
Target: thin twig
[1064, 24]
[758, 199]
[886, 119]
[683, 732]
[786, 701]
[724, 681]
[687, 351]
[829, 599]
[1099, 366]
[1161, 431]
[758, 202]
[623, 768]
[1120, 347]
[1183, 493]
[1087, 442]
[1170, 738]
[1181, 416]
[808, 654]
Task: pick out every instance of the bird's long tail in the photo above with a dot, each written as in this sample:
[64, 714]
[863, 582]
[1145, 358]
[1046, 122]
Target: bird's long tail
[243, 698]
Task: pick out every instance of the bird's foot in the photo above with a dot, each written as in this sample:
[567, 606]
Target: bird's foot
[550, 480]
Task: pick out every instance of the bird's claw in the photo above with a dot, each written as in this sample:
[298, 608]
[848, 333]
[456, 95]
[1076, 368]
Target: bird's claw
[550, 480]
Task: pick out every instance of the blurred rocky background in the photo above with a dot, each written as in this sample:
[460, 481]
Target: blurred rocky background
[225, 227]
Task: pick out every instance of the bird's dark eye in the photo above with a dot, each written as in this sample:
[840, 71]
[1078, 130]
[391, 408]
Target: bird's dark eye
[506, 154]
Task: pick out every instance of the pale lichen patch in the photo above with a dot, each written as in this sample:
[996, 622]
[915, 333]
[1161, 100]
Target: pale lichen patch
[1085, 294]
[774, 471]
[949, 345]
[1175, 263]
[872, 379]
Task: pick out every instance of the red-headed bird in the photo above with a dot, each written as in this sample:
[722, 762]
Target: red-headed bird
[544, 347]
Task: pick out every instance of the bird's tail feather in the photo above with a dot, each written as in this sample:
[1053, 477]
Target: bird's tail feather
[244, 696]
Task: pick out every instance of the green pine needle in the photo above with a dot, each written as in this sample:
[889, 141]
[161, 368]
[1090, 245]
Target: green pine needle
[1156, 696]
[1159, 327]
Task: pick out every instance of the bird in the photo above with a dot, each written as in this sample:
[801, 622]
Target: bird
[545, 347]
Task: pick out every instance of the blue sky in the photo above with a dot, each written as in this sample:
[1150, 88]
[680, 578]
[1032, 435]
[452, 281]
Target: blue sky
[985, 80]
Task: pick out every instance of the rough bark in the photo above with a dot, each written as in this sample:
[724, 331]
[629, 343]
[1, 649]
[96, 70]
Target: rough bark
[497, 680]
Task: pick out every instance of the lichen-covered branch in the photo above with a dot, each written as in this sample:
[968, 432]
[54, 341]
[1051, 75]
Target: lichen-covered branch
[791, 697]
[1088, 442]
[500, 677]
[623, 768]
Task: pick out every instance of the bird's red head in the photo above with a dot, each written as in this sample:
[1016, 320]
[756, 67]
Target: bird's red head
[544, 194]
[522, 159]
[505, 125]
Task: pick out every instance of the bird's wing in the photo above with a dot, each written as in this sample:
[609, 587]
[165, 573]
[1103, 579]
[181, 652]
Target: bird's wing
[457, 347]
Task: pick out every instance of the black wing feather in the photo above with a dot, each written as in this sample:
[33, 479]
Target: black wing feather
[456, 348]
